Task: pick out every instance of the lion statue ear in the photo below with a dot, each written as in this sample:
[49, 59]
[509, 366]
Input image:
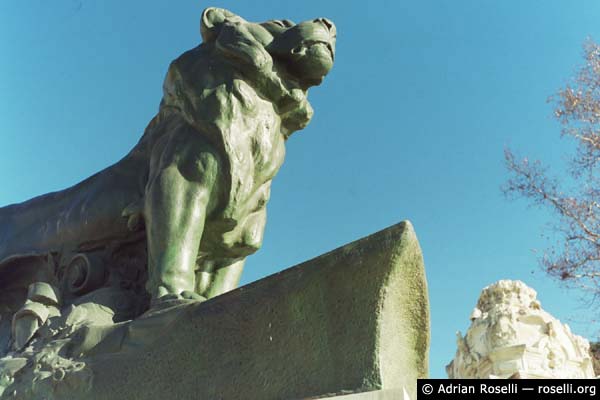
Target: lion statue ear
[211, 21]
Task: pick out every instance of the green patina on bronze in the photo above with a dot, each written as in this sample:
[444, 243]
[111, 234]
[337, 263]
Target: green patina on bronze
[196, 185]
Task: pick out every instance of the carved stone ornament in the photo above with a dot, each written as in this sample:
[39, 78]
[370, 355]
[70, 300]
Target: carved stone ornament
[512, 336]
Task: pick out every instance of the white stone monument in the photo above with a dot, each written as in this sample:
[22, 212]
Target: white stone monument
[511, 336]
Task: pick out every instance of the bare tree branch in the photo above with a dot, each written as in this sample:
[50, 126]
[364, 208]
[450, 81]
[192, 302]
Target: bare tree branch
[575, 258]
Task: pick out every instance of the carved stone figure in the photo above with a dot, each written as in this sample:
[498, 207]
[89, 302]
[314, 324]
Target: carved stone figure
[512, 336]
[193, 191]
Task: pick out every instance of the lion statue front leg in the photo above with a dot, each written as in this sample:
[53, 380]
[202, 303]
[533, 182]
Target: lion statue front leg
[180, 194]
[214, 278]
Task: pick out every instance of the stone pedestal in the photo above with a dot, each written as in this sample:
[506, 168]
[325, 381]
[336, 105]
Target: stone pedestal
[354, 320]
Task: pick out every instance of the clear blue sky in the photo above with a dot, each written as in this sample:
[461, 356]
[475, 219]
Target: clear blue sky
[410, 124]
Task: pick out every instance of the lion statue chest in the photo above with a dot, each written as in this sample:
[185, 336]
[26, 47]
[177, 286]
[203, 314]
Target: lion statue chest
[219, 103]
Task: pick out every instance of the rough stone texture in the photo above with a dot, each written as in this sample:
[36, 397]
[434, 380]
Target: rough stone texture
[595, 354]
[512, 337]
[353, 320]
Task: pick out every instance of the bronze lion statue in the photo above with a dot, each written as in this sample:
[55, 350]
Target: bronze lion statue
[189, 199]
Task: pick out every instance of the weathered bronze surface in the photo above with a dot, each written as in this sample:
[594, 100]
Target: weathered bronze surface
[195, 187]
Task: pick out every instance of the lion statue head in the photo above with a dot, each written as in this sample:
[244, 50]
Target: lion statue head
[280, 60]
